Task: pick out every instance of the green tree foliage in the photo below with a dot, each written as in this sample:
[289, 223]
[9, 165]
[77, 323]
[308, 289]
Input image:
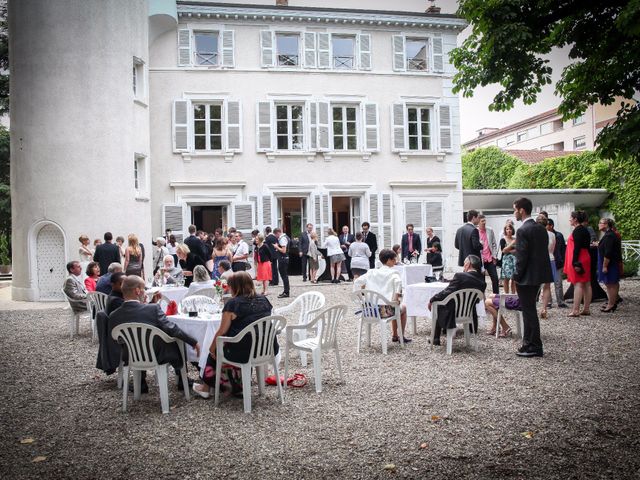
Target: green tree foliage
[621, 177]
[509, 39]
[487, 168]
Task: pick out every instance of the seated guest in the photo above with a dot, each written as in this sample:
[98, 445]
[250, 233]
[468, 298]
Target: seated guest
[115, 297]
[492, 305]
[169, 273]
[74, 288]
[359, 252]
[104, 284]
[469, 278]
[436, 257]
[134, 311]
[201, 279]
[396, 250]
[224, 268]
[93, 273]
[188, 261]
[243, 309]
[386, 281]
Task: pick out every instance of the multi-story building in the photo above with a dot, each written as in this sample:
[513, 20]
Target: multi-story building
[547, 131]
[136, 116]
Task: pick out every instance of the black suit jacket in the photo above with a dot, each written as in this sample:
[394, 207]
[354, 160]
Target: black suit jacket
[105, 255]
[151, 314]
[460, 281]
[350, 239]
[304, 242]
[372, 241]
[108, 349]
[417, 245]
[533, 266]
[467, 242]
[197, 247]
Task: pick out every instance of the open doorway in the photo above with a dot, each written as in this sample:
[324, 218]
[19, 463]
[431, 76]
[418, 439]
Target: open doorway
[345, 211]
[209, 217]
[292, 214]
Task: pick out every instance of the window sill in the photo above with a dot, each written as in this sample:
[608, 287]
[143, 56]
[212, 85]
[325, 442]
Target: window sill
[365, 156]
[310, 156]
[406, 154]
[227, 156]
[140, 102]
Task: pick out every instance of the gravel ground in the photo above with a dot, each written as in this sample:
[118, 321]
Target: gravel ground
[414, 413]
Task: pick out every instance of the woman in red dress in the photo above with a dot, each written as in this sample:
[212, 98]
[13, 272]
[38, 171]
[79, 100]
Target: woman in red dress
[577, 264]
[93, 273]
[263, 270]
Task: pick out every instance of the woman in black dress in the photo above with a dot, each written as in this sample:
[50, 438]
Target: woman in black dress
[243, 309]
[431, 252]
[188, 261]
[609, 262]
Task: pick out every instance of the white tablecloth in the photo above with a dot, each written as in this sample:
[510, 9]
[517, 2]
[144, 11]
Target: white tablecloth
[172, 293]
[416, 299]
[201, 328]
[413, 273]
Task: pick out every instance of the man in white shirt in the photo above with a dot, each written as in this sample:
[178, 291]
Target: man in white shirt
[282, 247]
[387, 282]
[74, 288]
[240, 251]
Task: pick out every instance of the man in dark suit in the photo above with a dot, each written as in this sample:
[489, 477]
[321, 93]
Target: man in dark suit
[346, 239]
[305, 240]
[271, 241]
[196, 246]
[370, 239]
[469, 278]
[532, 270]
[468, 238]
[411, 245]
[133, 310]
[115, 299]
[106, 253]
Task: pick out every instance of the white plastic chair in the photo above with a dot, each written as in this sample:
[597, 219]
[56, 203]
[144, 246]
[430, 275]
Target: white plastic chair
[262, 333]
[198, 303]
[309, 304]
[96, 302]
[320, 336]
[502, 310]
[464, 304]
[74, 318]
[207, 292]
[368, 301]
[138, 338]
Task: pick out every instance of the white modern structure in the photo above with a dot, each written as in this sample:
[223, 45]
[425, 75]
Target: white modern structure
[141, 115]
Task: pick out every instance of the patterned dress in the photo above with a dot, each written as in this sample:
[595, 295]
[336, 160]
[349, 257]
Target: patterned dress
[508, 263]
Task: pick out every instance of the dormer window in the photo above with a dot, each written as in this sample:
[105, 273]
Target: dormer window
[288, 49]
[206, 48]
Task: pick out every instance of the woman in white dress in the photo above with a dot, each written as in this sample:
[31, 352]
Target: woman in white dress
[86, 254]
[335, 255]
[359, 253]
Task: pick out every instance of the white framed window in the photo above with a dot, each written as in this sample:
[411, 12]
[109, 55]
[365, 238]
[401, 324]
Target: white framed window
[419, 127]
[288, 49]
[578, 120]
[139, 79]
[345, 127]
[579, 143]
[533, 132]
[522, 136]
[207, 126]
[206, 48]
[416, 53]
[511, 139]
[289, 126]
[502, 142]
[140, 175]
[343, 48]
[415, 127]
[549, 127]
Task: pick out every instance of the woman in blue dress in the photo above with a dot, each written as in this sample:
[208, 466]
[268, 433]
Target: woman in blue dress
[220, 252]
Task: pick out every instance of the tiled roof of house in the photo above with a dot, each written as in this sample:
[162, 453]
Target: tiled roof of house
[537, 156]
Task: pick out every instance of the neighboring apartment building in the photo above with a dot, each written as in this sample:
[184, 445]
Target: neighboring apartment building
[226, 114]
[547, 131]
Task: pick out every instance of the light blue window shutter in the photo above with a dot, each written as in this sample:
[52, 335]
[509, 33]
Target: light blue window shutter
[228, 59]
[371, 131]
[324, 50]
[445, 127]
[184, 47]
[399, 63]
[323, 126]
[398, 127]
[438, 57]
[310, 50]
[234, 126]
[266, 48]
[264, 114]
[364, 47]
[180, 121]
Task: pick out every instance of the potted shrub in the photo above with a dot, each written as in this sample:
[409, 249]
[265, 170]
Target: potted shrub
[5, 254]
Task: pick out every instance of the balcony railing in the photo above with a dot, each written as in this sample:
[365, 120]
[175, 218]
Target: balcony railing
[343, 62]
[416, 64]
[207, 58]
[288, 60]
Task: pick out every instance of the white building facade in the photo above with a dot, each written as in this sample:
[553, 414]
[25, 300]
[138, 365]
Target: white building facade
[256, 115]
